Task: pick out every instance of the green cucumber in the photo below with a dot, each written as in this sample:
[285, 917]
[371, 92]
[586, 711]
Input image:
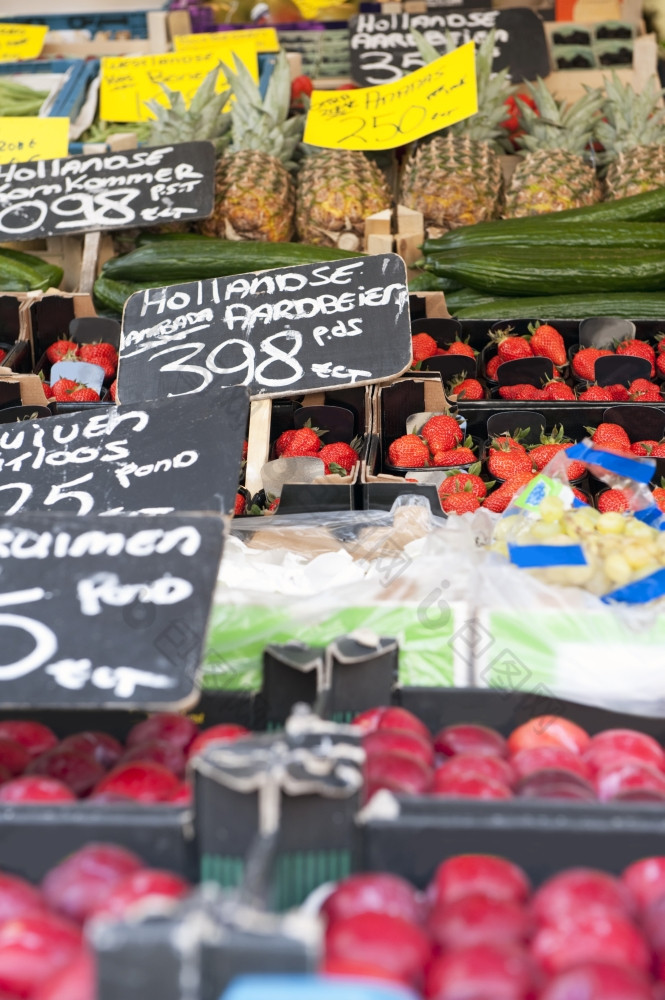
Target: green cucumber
[110, 296]
[630, 305]
[467, 297]
[426, 282]
[147, 237]
[558, 271]
[530, 233]
[25, 268]
[178, 261]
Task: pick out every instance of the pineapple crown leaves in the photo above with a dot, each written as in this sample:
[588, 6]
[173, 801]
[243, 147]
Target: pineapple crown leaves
[556, 124]
[204, 119]
[262, 123]
[630, 119]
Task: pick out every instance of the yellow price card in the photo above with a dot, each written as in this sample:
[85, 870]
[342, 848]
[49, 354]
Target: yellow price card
[393, 114]
[23, 139]
[21, 41]
[128, 82]
[265, 39]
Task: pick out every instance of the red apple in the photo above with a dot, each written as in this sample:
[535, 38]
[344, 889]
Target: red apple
[555, 785]
[653, 922]
[481, 972]
[81, 883]
[470, 739]
[392, 718]
[13, 756]
[645, 880]
[542, 758]
[599, 757]
[629, 777]
[141, 781]
[182, 795]
[105, 749]
[580, 891]
[590, 937]
[33, 736]
[478, 874]
[149, 886]
[373, 893]
[626, 743]
[548, 731]
[77, 981]
[18, 898]
[598, 981]
[355, 970]
[477, 920]
[78, 771]
[399, 741]
[176, 729]
[225, 732]
[31, 788]
[469, 786]
[33, 949]
[487, 767]
[397, 773]
[158, 752]
[5, 774]
[393, 943]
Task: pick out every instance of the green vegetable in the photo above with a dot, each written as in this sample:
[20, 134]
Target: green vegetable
[531, 233]
[468, 297]
[425, 282]
[631, 305]
[110, 296]
[21, 269]
[560, 270]
[18, 101]
[188, 260]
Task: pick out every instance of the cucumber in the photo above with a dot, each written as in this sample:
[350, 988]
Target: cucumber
[25, 268]
[530, 233]
[178, 261]
[110, 296]
[146, 237]
[426, 282]
[521, 271]
[631, 305]
[468, 297]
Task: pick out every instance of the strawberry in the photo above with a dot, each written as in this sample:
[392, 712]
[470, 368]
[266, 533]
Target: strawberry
[305, 443]
[455, 456]
[550, 445]
[466, 389]
[339, 458]
[658, 451]
[575, 469]
[611, 435]
[520, 392]
[555, 389]
[597, 394]
[460, 347]
[505, 462]
[514, 442]
[642, 390]
[580, 496]
[56, 351]
[660, 342]
[104, 355]
[619, 393]
[3, 355]
[612, 500]
[48, 392]
[460, 503]
[283, 441]
[63, 388]
[240, 505]
[509, 346]
[643, 448]
[408, 452]
[638, 349]
[499, 498]
[547, 342]
[660, 364]
[442, 433]
[659, 494]
[455, 482]
[114, 393]
[423, 346]
[492, 367]
[83, 394]
[584, 362]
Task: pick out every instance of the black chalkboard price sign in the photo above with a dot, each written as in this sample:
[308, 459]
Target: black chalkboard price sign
[104, 612]
[279, 332]
[153, 458]
[136, 187]
[383, 49]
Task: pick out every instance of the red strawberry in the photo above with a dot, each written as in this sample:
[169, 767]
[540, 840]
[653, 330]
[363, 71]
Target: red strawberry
[423, 346]
[500, 498]
[3, 354]
[619, 393]
[584, 362]
[339, 458]
[492, 367]
[611, 435]
[645, 391]
[510, 347]
[63, 388]
[659, 495]
[283, 441]
[460, 347]
[580, 496]
[408, 452]
[305, 443]
[660, 363]
[505, 462]
[48, 392]
[455, 482]
[612, 500]
[442, 433]
[597, 394]
[460, 503]
[643, 448]
[520, 392]
[240, 505]
[660, 342]
[104, 355]
[114, 390]
[56, 352]
[455, 456]
[547, 342]
[83, 394]
[638, 349]
[555, 389]
[549, 445]
[575, 469]
[466, 389]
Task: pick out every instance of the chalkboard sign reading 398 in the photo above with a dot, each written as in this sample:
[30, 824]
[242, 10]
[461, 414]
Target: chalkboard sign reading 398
[279, 332]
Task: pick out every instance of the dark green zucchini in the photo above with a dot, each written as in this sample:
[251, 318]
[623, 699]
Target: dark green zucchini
[631, 305]
[110, 296]
[530, 233]
[25, 268]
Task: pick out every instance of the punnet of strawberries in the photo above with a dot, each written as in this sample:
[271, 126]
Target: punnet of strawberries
[68, 390]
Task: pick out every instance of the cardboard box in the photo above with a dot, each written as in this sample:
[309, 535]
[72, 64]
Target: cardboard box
[570, 84]
[15, 333]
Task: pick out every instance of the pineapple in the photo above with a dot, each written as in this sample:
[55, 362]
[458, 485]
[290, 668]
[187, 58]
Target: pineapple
[456, 178]
[255, 193]
[203, 120]
[553, 174]
[633, 136]
[337, 190]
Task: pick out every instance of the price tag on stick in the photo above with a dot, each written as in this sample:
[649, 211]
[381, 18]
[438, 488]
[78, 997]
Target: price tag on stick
[291, 330]
[153, 458]
[106, 612]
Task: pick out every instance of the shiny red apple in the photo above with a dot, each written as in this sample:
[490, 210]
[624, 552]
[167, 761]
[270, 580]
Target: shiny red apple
[470, 739]
[548, 731]
[478, 874]
[373, 892]
[81, 883]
